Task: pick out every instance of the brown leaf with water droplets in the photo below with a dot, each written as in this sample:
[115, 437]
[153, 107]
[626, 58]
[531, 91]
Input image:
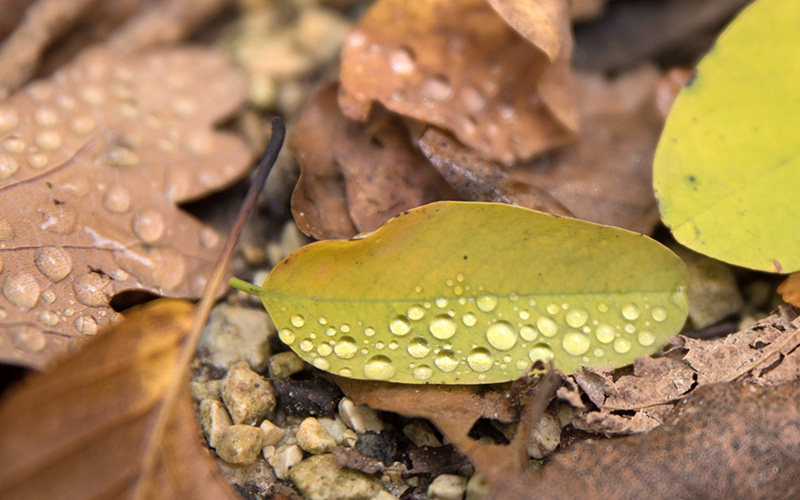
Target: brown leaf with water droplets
[92, 162]
[723, 441]
[460, 66]
[81, 429]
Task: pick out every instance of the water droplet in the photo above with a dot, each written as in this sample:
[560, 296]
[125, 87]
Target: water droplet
[91, 96]
[659, 314]
[297, 321]
[486, 303]
[22, 290]
[346, 372]
[48, 296]
[442, 327]
[13, 145]
[393, 345]
[458, 290]
[148, 225]
[324, 349]
[629, 327]
[155, 266]
[399, 325]
[469, 319]
[599, 353]
[379, 368]
[547, 326]
[87, 325]
[45, 117]
[53, 262]
[38, 161]
[117, 199]
[622, 345]
[418, 347]
[436, 88]
[369, 331]
[540, 352]
[630, 311]
[506, 112]
[6, 231]
[82, 125]
[416, 312]
[379, 345]
[646, 338]
[402, 60]
[501, 335]
[345, 347]
[208, 238]
[604, 333]
[441, 302]
[119, 156]
[472, 99]
[553, 308]
[602, 307]
[479, 359]
[28, 338]
[306, 345]
[48, 318]
[576, 318]
[90, 289]
[322, 363]
[345, 328]
[527, 332]
[49, 140]
[8, 167]
[524, 315]
[423, 372]
[446, 361]
[575, 343]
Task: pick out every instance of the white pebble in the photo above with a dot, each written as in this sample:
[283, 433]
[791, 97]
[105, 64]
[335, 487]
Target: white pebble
[447, 487]
[285, 458]
[360, 418]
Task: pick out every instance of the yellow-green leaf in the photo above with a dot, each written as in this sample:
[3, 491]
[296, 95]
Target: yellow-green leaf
[727, 169]
[466, 293]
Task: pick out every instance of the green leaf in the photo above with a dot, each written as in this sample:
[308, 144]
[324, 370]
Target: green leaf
[468, 293]
[727, 169]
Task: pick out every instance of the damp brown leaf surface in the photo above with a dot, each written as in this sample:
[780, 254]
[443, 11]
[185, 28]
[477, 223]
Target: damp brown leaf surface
[81, 430]
[355, 176]
[724, 441]
[92, 162]
[437, 62]
[606, 176]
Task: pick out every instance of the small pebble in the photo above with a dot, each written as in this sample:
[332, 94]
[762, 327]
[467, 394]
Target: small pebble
[447, 487]
[320, 477]
[284, 364]
[478, 487]
[421, 434]
[235, 334]
[284, 458]
[214, 419]
[545, 436]
[335, 428]
[272, 433]
[240, 444]
[247, 395]
[713, 291]
[205, 390]
[313, 437]
[360, 418]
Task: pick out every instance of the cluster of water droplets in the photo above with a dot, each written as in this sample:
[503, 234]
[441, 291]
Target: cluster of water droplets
[469, 335]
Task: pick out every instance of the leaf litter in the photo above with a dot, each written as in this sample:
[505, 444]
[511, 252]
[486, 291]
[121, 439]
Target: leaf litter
[93, 162]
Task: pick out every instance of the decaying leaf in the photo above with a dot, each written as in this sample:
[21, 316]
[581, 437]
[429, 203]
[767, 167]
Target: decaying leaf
[728, 155]
[93, 161]
[477, 179]
[445, 294]
[437, 62]
[790, 289]
[723, 441]
[81, 429]
[606, 176]
[356, 176]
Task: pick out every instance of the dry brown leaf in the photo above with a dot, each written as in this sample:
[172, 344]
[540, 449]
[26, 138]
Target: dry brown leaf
[93, 161]
[477, 179]
[606, 177]
[790, 289]
[454, 410]
[460, 66]
[723, 441]
[80, 430]
[375, 163]
[319, 201]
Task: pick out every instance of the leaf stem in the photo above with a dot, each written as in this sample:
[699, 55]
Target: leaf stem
[244, 286]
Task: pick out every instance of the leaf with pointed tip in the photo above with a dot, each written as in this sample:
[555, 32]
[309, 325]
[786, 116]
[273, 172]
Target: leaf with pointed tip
[727, 166]
[466, 293]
